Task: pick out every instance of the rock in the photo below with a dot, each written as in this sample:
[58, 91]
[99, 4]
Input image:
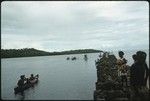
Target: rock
[108, 84]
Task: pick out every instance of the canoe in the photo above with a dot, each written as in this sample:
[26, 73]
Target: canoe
[26, 85]
[74, 58]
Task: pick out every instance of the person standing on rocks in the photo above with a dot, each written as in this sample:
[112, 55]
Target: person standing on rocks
[139, 70]
[139, 75]
[132, 74]
[122, 67]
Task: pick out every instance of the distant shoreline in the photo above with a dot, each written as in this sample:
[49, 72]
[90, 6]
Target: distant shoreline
[31, 52]
[46, 55]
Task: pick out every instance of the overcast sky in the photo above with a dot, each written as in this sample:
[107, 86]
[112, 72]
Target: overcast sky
[69, 25]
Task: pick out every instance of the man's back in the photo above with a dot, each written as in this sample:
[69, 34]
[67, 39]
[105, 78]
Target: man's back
[137, 74]
[20, 83]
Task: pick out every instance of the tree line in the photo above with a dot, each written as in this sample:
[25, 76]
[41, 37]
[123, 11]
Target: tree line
[28, 52]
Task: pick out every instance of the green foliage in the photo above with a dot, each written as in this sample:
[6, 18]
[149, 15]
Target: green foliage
[27, 52]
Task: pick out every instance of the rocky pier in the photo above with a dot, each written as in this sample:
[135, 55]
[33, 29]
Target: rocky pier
[109, 86]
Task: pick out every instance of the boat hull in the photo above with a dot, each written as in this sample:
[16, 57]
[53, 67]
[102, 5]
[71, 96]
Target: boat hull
[26, 86]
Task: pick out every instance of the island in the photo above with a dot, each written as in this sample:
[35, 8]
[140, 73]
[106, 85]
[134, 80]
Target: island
[29, 52]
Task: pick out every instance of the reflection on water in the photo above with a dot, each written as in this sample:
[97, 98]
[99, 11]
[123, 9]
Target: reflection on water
[20, 96]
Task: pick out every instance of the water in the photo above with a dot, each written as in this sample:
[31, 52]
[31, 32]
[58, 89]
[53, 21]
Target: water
[59, 79]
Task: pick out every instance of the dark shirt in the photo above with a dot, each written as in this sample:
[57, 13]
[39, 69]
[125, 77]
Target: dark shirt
[137, 73]
[20, 83]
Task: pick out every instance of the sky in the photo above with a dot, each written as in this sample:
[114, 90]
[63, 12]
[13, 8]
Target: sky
[70, 25]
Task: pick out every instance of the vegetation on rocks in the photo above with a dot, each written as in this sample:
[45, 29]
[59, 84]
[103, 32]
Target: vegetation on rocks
[108, 85]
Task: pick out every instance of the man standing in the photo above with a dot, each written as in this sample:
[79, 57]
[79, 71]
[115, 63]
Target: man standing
[122, 68]
[139, 75]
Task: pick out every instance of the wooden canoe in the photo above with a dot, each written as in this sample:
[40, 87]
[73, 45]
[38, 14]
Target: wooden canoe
[26, 85]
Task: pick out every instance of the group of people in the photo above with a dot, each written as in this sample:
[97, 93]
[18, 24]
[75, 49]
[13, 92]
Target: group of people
[23, 80]
[138, 71]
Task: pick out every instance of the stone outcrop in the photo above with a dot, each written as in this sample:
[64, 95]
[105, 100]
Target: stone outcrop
[108, 85]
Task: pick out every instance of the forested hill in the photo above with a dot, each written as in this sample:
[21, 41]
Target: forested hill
[28, 52]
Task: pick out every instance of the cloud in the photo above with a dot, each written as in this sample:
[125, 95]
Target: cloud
[63, 25]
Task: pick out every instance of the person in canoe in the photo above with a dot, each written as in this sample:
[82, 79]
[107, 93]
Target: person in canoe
[31, 77]
[85, 57]
[21, 83]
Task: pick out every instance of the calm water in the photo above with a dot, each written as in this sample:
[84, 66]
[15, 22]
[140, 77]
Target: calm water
[59, 78]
